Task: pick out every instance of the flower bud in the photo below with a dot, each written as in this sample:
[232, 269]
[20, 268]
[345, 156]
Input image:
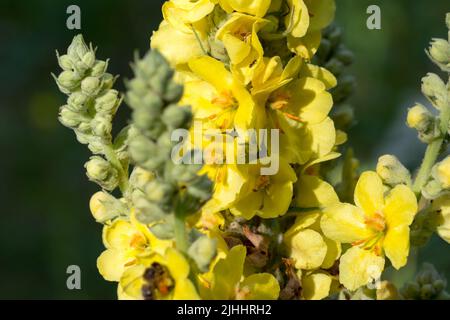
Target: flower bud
[392, 171]
[108, 102]
[68, 80]
[435, 90]
[177, 117]
[202, 251]
[108, 81]
[160, 192]
[90, 86]
[65, 62]
[102, 172]
[139, 178]
[102, 125]
[99, 68]
[419, 118]
[442, 173]
[105, 207]
[335, 66]
[345, 56]
[173, 92]
[77, 48]
[77, 101]
[69, 118]
[440, 51]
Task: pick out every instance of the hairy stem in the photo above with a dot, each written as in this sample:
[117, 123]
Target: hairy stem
[180, 229]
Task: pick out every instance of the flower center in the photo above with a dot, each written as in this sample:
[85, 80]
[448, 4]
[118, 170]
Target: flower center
[138, 241]
[224, 99]
[377, 222]
[158, 284]
[262, 183]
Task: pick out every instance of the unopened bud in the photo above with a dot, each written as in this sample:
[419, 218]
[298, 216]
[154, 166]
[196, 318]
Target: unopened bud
[104, 206]
[435, 90]
[108, 102]
[177, 117]
[419, 118]
[65, 62]
[77, 102]
[392, 171]
[99, 68]
[102, 125]
[90, 86]
[68, 80]
[77, 48]
[440, 51]
[102, 172]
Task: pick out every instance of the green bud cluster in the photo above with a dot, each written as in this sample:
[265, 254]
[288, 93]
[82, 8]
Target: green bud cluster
[92, 103]
[90, 109]
[153, 95]
[336, 57]
[428, 285]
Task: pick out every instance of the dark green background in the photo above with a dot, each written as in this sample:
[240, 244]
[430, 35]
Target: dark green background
[45, 224]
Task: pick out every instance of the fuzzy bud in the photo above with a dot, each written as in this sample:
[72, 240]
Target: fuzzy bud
[392, 171]
[440, 51]
[90, 86]
[177, 117]
[105, 207]
[77, 48]
[435, 90]
[102, 172]
[108, 102]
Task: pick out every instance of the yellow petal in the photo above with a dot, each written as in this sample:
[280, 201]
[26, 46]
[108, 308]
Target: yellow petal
[237, 49]
[359, 267]
[441, 207]
[334, 251]
[307, 46]
[401, 207]
[396, 245]
[255, 7]
[303, 221]
[118, 234]
[308, 249]
[260, 286]
[177, 264]
[111, 264]
[212, 71]
[344, 223]
[369, 193]
[322, 74]
[322, 13]
[131, 282]
[316, 286]
[313, 192]
[185, 290]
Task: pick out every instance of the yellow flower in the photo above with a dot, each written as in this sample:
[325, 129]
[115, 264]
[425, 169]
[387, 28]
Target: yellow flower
[376, 226]
[158, 277]
[126, 242]
[181, 46]
[254, 7]
[239, 35]
[218, 99]
[300, 110]
[266, 196]
[226, 280]
[185, 14]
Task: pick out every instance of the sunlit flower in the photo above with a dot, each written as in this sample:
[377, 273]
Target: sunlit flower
[377, 226]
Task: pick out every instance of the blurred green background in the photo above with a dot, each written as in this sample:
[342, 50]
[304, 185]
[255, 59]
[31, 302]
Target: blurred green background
[45, 222]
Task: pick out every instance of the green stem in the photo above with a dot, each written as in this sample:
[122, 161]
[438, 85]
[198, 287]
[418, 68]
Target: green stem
[432, 153]
[180, 229]
[111, 156]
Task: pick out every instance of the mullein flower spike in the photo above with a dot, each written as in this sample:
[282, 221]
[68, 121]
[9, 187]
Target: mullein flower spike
[225, 230]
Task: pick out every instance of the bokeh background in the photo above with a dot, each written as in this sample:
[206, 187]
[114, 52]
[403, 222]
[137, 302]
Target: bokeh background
[45, 224]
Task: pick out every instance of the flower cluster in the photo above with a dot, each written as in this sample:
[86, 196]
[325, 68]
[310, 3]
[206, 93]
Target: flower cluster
[227, 229]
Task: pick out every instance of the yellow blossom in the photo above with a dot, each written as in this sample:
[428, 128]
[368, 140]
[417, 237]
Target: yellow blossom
[159, 277]
[126, 242]
[183, 14]
[254, 7]
[377, 226]
[266, 196]
[226, 280]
